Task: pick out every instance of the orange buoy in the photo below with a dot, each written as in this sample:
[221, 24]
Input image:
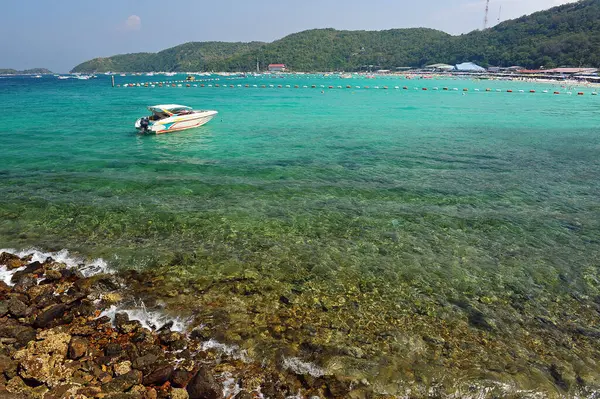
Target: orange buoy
[331, 87]
[173, 85]
[532, 91]
[366, 87]
[557, 92]
[424, 88]
[202, 85]
[348, 87]
[509, 91]
[580, 93]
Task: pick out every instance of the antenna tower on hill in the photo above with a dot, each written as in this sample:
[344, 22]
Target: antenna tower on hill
[487, 12]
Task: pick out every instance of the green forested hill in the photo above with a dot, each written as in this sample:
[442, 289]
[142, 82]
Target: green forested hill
[564, 35]
[193, 56]
[34, 71]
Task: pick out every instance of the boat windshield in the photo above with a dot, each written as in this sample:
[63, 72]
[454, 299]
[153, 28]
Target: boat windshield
[166, 112]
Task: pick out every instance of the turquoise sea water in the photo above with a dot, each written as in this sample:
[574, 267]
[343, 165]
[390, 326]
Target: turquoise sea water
[412, 238]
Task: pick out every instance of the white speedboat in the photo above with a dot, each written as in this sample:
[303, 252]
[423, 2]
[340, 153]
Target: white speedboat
[168, 118]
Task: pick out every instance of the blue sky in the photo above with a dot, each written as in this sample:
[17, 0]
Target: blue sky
[59, 34]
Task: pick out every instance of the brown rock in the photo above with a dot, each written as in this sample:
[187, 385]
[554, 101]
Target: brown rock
[178, 393]
[32, 268]
[151, 394]
[11, 261]
[123, 382]
[77, 347]
[7, 395]
[17, 308]
[204, 386]
[122, 368]
[89, 391]
[3, 306]
[50, 315]
[61, 391]
[144, 362]
[43, 360]
[123, 324]
[243, 395]
[158, 376]
[22, 334]
[180, 378]
[113, 350]
[52, 275]
[8, 366]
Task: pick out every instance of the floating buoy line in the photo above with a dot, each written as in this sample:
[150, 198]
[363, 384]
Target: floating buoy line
[208, 83]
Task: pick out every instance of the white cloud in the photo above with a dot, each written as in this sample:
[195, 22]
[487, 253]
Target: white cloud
[133, 22]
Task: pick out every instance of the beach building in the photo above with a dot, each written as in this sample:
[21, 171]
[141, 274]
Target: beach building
[277, 68]
[468, 67]
[440, 67]
[560, 71]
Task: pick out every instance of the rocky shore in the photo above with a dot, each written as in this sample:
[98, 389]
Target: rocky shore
[58, 341]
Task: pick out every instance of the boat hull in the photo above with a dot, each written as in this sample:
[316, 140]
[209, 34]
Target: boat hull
[178, 123]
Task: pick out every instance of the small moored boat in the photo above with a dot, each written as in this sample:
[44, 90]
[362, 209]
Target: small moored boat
[172, 118]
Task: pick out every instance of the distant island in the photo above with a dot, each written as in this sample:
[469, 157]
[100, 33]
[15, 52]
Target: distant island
[34, 71]
[562, 36]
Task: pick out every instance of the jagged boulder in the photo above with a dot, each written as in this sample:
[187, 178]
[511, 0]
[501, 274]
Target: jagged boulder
[43, 360]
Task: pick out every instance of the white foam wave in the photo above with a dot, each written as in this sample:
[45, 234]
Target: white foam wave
[6, 275]
[231, 387]
[299, 366]
[233, 351]
[87, 268]
[149, 319]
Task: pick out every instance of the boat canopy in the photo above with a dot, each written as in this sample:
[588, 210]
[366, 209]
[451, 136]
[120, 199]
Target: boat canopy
[169, 108]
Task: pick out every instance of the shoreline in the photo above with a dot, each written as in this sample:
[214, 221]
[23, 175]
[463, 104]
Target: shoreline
[60, 336]
[108, 349]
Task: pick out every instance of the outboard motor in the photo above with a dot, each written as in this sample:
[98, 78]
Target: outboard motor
[144, 123]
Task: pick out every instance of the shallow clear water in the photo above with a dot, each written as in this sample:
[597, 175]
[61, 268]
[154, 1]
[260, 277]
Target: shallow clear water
[408, 237]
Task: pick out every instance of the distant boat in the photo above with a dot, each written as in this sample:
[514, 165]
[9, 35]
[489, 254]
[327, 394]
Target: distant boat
[37, 76]
[170, 73]
[123, 74]
[150, 74]
[64, 77]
